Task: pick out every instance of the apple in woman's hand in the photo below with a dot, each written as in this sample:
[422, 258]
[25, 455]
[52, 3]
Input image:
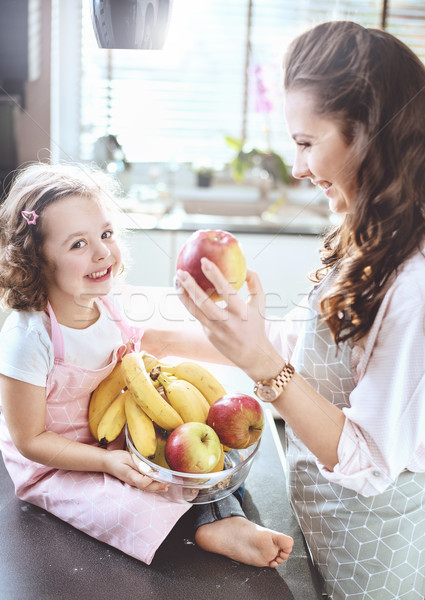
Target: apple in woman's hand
[193, 448]
[223, 249]
[237, 419]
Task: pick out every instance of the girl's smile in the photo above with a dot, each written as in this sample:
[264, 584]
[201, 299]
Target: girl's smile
[100, 275]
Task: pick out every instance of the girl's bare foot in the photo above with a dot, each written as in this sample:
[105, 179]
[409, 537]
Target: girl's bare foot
[244, 541]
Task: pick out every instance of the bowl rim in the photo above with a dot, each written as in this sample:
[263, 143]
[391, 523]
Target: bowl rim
[192, 479]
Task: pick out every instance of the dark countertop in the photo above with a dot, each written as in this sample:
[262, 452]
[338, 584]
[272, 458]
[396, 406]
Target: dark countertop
[43, 558]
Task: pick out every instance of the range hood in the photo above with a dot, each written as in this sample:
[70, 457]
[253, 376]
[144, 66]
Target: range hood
[131, 24]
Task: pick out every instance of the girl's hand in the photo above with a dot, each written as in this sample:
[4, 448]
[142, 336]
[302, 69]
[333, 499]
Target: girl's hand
[120, 464]
[238, 329]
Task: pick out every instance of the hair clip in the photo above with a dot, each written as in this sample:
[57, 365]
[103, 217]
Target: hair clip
[30, 216]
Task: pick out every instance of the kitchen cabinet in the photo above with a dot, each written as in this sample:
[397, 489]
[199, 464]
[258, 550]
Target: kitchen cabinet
[149, 257]
[283, 262]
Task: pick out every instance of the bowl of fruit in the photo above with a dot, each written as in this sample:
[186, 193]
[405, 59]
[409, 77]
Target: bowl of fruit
[182, 428]
[196, 488]
[203, 441]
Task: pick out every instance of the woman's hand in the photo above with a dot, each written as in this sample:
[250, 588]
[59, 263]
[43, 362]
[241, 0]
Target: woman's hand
[120, 464]
[238, 329]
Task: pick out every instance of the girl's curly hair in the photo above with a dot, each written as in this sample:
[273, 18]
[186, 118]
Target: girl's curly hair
[368, 81]
[22, 284]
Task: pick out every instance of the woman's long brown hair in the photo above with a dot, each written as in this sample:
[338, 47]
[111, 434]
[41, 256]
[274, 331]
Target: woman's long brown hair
[370, 82]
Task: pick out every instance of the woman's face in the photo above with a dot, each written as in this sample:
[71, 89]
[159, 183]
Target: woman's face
[322, 154]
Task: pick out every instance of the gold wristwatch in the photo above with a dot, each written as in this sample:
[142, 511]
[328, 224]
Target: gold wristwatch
[269, 390]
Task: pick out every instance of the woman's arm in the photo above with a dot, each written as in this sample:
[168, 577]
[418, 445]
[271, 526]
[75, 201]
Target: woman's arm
[24, 408]
[189, 341]
[168, 328]
[238, 332]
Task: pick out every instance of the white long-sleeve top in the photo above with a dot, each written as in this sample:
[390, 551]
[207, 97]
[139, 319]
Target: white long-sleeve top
[384, 431]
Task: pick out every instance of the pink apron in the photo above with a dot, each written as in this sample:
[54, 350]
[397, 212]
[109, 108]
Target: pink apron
[102, 506]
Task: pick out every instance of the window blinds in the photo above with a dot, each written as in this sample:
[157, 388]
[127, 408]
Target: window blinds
[179, 104]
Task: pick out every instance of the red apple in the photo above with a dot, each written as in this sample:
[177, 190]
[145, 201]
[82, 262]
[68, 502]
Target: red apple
[193, 448]
[237, 419]
[223, 249]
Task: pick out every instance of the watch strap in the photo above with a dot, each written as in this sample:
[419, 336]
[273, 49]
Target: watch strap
[277, 383]
[284, 377]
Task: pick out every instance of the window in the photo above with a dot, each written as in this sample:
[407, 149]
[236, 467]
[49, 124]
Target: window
[179, 104]
[406, 20]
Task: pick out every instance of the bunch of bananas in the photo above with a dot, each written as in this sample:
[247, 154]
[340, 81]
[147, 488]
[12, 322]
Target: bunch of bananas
[153, 398]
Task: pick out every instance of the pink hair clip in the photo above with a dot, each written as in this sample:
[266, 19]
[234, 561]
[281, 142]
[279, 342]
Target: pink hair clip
[30, 216]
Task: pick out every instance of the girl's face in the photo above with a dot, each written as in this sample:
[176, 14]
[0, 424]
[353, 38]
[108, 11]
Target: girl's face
[81, 251]
[322, 154]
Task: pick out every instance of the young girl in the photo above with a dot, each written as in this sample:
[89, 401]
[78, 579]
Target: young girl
[59, 257]
[352, 396]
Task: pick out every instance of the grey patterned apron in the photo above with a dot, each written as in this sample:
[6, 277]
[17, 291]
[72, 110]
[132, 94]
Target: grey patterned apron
[366, 548]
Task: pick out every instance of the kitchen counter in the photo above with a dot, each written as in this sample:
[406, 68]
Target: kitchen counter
[294, 214]
[299, 224]
[43, 557]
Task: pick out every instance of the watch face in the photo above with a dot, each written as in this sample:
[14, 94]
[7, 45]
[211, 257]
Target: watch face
[267, 393]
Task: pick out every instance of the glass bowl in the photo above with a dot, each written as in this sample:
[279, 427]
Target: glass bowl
[194, 488]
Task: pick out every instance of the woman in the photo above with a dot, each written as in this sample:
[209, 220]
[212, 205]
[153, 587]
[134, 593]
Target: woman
[352, 395]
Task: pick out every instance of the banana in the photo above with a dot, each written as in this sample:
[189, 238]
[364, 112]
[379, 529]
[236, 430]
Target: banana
[156, 384]
[140, 427]
[203, 401]
[149, 360]
[198, 376]
[184, 398]
[113, 420]
[147, 397]
[159, 458]
[103, 395]
[155, 372]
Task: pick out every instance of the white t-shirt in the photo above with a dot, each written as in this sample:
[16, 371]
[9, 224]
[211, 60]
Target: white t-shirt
[26, 351]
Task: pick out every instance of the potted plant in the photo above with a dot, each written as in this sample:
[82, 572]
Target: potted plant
[249, 158]
[204, 176]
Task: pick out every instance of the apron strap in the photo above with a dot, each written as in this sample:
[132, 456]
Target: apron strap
[56, 333]
[133, 334]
